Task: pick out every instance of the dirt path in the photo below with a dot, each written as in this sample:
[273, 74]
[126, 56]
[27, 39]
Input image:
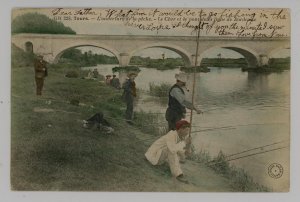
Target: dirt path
[201, 178]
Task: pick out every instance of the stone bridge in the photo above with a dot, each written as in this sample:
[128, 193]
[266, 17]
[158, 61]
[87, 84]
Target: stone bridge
[256, 51]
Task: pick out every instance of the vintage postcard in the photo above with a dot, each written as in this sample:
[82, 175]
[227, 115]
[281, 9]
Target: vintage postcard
[150, 99]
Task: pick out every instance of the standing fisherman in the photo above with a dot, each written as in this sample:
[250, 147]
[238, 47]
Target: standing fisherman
[115, 82]
[41, 72]
[128, 95]
[177, 102]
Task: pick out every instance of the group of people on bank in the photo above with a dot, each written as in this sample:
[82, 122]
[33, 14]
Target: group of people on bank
[114, 81]
[172, 147]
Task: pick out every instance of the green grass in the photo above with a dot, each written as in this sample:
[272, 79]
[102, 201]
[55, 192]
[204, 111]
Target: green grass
[52, 151]
[238, 178]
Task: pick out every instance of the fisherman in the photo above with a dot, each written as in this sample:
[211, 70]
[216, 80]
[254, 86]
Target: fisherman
[171, 148]
[95, 73]
[98, 121]
[41, 72]
[115, 82]
[108, 80]
[177, 102]
[128, 95]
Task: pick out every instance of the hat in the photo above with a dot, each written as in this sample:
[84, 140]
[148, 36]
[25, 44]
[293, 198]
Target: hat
[182, 123]
[181, 77]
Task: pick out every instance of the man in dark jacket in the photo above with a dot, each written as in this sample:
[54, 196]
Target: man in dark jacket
[41, 72]
[128, 95]
[177, 102]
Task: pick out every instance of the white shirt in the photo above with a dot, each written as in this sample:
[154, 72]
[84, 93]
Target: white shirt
[170, 141]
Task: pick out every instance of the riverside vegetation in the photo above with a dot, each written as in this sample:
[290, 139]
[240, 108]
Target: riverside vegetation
[50, 150]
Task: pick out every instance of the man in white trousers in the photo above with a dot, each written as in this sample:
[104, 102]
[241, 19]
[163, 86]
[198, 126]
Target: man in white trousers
[170, 148]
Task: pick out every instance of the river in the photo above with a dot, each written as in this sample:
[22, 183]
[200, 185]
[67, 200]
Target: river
[242, 111]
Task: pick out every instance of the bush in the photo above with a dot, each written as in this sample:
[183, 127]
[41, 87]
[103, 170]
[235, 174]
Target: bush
[159, 90]
[21, 58]
[219, 164]
[126, 69]
[72, 74]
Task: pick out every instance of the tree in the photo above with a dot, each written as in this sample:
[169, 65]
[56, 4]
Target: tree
[38, 23]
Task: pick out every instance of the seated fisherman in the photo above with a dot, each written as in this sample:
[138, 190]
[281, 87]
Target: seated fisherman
[98, 121]
[170, 148]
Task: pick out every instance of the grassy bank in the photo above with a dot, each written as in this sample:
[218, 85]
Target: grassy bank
[50, 149]
[239, 179]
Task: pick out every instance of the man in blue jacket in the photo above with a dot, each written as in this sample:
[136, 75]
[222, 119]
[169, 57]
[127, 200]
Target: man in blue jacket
[128, 95]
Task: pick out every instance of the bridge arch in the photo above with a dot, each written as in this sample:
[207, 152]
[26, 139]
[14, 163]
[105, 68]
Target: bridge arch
[186, 56]
[60, 52]
[29, 47]
[251, 56]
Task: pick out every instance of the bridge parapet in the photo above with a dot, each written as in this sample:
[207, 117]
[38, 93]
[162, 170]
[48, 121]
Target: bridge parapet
[125, 46]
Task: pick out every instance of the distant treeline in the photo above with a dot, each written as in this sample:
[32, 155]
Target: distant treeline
[280, 63]
[224, 62]
[86, 59]
[20, 58]
[38, 23]
[160, 64]
[275, 63]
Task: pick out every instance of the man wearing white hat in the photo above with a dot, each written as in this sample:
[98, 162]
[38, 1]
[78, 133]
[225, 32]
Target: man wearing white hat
[177, 102]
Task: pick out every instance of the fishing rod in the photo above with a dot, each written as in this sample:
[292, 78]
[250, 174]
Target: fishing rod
[261, 147]
[209, 129]
[258, 153]
[210, 163]
[194, 75]
[186, 112]
[190, 148]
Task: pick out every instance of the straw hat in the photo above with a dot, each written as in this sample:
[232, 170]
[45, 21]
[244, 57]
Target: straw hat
[181, 77]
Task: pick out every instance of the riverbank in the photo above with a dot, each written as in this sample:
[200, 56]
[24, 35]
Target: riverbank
[52, 151]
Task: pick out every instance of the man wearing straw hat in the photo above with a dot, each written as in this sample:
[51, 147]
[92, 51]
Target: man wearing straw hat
[177, 102]
[171, 148]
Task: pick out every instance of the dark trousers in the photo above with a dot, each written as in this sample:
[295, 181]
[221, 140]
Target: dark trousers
[39, 85]
[172, 117]
[129, 109]
[98, 120]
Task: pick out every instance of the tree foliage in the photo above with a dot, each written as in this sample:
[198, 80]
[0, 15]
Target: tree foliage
[38, 23]
[86, 59]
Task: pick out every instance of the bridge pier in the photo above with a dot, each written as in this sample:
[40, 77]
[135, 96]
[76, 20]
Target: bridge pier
[194, 60]
[124, 59]
[263, 60]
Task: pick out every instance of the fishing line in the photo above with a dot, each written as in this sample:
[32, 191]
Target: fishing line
[261, 147]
